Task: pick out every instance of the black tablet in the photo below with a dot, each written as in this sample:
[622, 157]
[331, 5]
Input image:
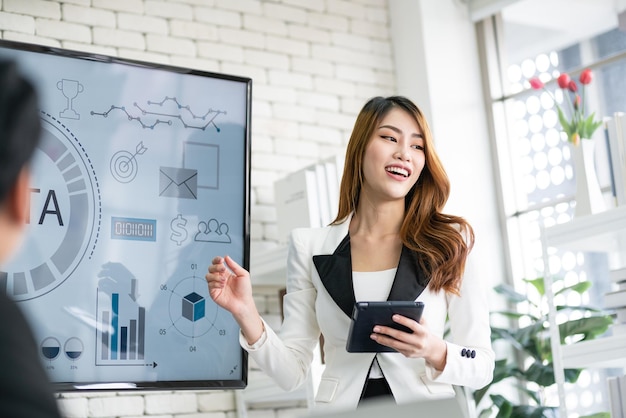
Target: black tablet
[366, 315]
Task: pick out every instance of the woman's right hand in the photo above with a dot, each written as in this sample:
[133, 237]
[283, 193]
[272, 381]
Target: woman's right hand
[230, 288]
[229, 285]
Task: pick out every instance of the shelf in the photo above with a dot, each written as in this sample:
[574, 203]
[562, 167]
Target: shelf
[606, 352]
[269, 267]
[601, 232]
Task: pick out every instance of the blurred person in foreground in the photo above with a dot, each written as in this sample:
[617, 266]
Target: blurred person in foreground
[25, 389]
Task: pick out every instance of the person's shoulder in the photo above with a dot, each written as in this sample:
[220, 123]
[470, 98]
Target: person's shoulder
[316, 236]
[308, 233]
[8, 306]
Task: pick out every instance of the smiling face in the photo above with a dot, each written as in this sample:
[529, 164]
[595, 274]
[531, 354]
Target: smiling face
[394, 157]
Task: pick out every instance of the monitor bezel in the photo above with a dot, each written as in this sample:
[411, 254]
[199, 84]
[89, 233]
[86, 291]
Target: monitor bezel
[217, 384]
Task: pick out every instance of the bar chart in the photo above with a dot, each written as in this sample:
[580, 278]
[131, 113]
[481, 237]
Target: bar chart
[122, 329]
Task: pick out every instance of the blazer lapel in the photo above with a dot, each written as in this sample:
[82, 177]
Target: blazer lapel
[410, 280]
[335, 271]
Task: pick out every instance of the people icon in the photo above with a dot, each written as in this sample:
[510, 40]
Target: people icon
[212, 231]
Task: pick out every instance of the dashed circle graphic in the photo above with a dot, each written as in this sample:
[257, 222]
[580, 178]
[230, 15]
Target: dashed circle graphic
[65, 215]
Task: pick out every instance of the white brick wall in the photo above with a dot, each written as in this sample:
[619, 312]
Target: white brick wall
[16, 22]
[171, 403]
[119, 38]
[117, 405]
[140, 23]
[63, 31]
[168, 9]
[216, 17]
[313, 65]
[89, 16]
[35, 8]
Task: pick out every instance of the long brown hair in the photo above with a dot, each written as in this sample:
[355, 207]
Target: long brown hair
[442, 242]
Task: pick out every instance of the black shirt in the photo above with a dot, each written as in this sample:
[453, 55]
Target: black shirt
[25, 388]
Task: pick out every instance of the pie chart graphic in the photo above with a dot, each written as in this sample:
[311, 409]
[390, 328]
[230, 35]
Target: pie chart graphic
[73, 348]
[50, 348]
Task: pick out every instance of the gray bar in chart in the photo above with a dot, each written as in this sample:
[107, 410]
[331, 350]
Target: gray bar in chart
[132, 350]
[105, 335]
[141, 333]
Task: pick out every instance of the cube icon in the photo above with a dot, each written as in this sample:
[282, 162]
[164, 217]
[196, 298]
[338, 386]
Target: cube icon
[193, 307]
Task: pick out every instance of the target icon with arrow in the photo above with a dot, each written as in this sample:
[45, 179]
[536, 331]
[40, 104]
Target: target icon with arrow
[124, 165]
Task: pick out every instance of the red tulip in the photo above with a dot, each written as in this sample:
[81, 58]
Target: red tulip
[536, 84]
[586, 76]
[575, 123]
[563, 80]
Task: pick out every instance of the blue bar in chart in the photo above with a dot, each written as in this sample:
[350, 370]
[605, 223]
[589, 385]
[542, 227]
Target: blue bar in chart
[115, 306]
[124, 343]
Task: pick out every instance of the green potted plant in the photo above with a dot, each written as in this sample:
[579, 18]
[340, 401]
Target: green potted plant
[531, 366]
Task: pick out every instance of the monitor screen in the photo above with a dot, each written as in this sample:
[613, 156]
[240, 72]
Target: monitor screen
[141, 177]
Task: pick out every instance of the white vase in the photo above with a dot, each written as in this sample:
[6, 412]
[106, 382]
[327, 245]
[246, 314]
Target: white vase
[589, 199]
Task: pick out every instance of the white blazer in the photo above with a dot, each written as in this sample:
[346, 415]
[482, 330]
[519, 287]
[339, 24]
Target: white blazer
[320, 298]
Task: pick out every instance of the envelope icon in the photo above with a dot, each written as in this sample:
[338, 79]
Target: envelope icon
[178, 182]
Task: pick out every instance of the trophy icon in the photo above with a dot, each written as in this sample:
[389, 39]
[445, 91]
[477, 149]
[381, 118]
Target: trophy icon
[70, 89]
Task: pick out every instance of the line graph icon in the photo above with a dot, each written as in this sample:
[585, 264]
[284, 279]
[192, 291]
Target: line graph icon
[169, 111]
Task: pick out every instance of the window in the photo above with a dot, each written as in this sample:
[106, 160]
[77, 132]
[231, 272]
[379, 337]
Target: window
[543, 38]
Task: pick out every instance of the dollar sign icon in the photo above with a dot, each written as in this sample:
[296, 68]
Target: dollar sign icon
[179, 233]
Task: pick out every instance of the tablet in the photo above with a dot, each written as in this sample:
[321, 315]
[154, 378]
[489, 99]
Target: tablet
[366, 315]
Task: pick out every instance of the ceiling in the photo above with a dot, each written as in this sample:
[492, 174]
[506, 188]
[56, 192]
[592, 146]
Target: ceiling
[535, 26]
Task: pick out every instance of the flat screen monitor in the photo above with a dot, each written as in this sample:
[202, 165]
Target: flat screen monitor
[141, 177]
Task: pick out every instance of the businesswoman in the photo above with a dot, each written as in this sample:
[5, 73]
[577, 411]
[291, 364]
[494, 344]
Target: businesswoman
[390, 241]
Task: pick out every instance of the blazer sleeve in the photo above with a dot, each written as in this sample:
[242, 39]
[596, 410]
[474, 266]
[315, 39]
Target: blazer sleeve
[470, 358]
[286, 356]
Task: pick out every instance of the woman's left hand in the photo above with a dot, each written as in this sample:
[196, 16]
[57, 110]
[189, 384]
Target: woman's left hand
[419, 344]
